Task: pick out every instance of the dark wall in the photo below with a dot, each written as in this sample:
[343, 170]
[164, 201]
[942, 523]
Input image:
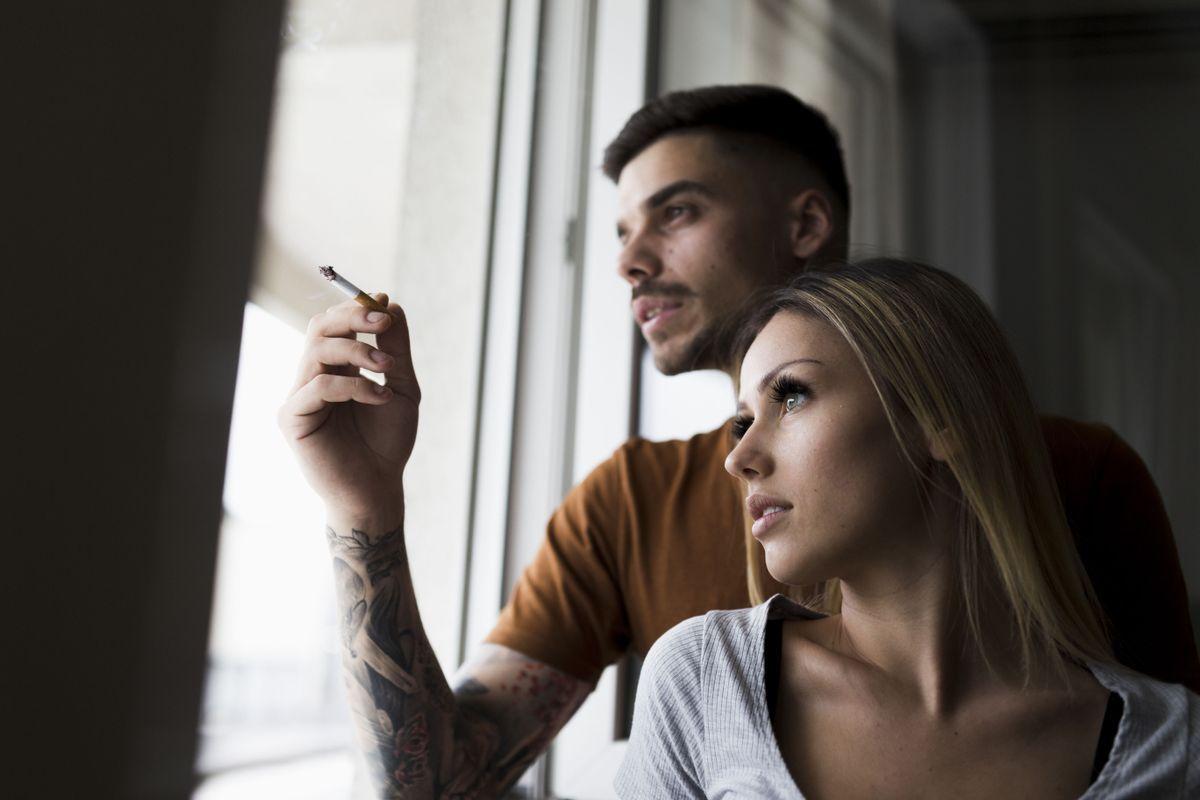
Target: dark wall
[1095, 186]
[137, 134]
[1083, 117]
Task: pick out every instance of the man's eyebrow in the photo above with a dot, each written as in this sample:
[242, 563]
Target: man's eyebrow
[671, 189]
[770, 376]
[667, 192]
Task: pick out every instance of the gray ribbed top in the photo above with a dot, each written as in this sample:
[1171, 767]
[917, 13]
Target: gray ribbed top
[701, 726]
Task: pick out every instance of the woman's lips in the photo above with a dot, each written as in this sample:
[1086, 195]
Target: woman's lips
[764, 523]
[765, 511]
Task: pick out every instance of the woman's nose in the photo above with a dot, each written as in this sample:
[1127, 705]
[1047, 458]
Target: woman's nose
[746, 461]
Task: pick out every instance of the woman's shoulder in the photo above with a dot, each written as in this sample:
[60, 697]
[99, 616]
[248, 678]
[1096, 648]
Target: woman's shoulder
[720, 645]
[1158, 739]
[685, 647]
[1148, 695]
[676, 651]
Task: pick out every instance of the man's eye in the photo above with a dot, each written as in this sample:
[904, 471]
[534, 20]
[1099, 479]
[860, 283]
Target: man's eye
[674, 212]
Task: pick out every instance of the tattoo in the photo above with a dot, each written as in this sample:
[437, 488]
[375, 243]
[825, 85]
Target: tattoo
[352, 599]
[545, 706]
[422, 739]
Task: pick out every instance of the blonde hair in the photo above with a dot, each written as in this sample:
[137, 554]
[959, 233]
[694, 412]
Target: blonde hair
[943, 371]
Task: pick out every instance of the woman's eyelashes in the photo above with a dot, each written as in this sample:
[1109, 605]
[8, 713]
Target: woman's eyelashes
[788, 393]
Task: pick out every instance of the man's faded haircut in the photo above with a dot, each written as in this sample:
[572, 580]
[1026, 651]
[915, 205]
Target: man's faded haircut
[745, 109]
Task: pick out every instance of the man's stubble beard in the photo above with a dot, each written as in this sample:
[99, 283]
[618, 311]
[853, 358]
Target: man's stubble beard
[714, 344]
[710, 348]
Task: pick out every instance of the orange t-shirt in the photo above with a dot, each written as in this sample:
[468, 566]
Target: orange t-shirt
[654, 535]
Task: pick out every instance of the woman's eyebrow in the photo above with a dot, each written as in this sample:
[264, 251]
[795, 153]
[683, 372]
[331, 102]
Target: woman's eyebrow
[770, 376]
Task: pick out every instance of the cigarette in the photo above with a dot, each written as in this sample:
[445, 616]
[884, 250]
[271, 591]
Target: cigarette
[360, 297]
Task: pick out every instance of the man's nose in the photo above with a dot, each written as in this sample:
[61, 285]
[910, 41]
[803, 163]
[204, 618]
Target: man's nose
[638, 261]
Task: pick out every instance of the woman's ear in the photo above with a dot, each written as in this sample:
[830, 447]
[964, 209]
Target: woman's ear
[940, 445]
[812, 222]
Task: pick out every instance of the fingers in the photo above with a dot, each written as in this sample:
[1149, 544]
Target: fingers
[394, 341]
[325, 389]
[341, 357]
[347, 319]
[332, 346]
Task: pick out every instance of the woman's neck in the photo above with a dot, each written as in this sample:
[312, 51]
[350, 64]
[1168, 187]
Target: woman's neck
[916, 637]
[905, 617]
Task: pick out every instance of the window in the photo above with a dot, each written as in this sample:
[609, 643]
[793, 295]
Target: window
[274, 690]
[380, 163]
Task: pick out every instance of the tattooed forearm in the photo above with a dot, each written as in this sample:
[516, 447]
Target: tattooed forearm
[422, 739]
[529, 702]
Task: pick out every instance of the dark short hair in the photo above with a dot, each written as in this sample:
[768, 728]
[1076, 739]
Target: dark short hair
[749, 108]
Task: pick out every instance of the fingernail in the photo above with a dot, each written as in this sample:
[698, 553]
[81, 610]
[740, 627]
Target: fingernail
[380, 357]
[376, 316]
[380, 389]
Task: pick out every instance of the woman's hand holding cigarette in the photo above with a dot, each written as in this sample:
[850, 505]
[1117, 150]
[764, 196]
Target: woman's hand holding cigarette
[352, 436]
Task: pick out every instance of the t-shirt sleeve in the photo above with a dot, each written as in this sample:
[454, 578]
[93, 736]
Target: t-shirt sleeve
[567, 609]
[663, 759]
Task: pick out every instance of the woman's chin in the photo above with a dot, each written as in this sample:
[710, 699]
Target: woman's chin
[791, 570]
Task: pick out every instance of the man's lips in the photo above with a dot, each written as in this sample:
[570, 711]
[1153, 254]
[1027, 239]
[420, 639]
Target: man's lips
[765, 511]
[653, 312]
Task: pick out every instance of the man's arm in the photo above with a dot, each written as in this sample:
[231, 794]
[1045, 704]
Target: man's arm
[1125, 541]
[353, 439]
[421, 739]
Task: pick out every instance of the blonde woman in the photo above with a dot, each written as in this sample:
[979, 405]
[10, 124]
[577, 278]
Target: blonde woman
[949, 644]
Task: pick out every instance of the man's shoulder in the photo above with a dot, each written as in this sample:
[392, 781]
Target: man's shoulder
[643, 470]
[1063, 433]
[1088, 454]
[640, 456]
[705, 440]
[672, 454]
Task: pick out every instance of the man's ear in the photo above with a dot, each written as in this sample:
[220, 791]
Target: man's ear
[811, 223]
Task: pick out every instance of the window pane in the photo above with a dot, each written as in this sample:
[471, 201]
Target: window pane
[380, 163]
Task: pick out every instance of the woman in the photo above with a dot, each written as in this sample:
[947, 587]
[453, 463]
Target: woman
[950, 645]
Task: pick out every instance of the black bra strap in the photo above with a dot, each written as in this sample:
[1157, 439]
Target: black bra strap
[772, 656]
[1108, 733]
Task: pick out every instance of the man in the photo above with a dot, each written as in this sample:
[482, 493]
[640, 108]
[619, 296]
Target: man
[722, 191]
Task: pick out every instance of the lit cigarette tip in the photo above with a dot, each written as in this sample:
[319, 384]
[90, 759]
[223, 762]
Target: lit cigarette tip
[352, 291]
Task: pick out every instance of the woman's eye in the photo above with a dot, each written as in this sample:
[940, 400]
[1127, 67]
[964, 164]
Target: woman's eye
[789, 393]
